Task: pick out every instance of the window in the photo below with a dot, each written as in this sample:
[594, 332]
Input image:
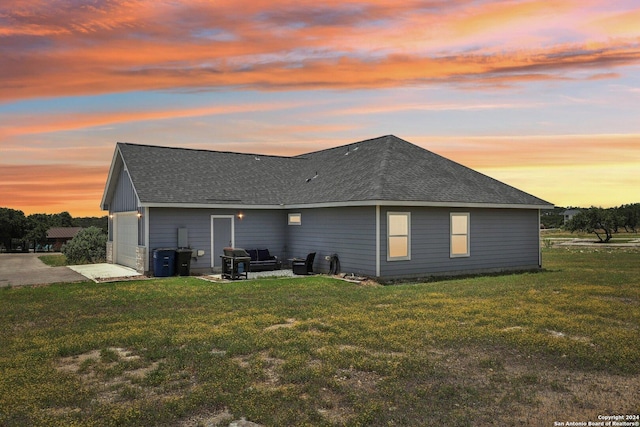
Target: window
[295, 219]
[398, 236]
[459, 234]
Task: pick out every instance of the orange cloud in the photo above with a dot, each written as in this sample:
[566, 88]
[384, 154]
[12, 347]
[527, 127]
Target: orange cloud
[24, 124]
[619, 24]
[119, 46]
[494, 16]
[343, 72]
[536, 151]
[52, 188]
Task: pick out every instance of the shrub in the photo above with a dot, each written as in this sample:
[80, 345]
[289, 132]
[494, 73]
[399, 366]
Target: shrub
[87, 247]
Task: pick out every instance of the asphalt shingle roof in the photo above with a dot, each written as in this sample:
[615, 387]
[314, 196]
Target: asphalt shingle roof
[381, 169]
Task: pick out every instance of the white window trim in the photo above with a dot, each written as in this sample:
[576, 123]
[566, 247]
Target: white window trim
[403, 258]
[468, 234]
[299, 215]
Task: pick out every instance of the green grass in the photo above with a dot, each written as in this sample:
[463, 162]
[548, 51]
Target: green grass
[515, 349]
[620, 237]
[53, 260]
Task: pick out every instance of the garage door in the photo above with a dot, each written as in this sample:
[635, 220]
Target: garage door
[126, 238]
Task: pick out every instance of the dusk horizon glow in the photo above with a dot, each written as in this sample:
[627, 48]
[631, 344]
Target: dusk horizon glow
[544, 96]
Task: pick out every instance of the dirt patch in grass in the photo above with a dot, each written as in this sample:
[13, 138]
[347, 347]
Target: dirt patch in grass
[74, 363]
[517, 389]
[207, 419]
[331, 407]
[266, 366]
[117, 374]
[289, 323]
[354, 379]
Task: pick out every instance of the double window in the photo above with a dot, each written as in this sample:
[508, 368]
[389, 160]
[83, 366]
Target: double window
[398, 236]
[459, 234]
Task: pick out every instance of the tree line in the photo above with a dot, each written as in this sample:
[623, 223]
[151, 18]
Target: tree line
[606, 222]
[17, 229]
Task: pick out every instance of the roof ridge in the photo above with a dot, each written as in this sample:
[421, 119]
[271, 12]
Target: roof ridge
[384, 163]
[205, 150]
[346, 145]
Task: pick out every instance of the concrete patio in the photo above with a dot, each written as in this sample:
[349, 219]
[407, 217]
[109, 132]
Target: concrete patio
[104, 272]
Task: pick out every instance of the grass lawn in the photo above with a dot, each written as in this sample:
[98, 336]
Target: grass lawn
[54, 260]
[620, 237]
[525, 349]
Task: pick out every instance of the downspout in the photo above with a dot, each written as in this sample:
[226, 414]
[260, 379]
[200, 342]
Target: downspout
[539, 242]
[146, 239]
[377, 240]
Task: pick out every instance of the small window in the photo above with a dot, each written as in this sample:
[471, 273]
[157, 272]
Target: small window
[459, 234]
[295, 219]
[398, 236]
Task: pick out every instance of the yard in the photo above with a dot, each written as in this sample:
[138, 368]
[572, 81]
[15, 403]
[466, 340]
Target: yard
[524, 349]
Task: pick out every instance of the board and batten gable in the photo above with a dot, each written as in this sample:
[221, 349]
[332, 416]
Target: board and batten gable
[499, 239]
[124, 196]
[349, 232]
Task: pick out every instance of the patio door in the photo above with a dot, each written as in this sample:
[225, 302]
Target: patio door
[222, 236]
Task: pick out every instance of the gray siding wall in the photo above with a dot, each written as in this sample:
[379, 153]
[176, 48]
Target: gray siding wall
[499, 239]
[258, 229]
[263, 229]
[348, 232]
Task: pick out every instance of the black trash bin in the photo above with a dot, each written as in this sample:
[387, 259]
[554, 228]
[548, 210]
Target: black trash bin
[164, 262]
[183, 262]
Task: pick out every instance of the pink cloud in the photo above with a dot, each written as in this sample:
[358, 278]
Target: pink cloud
[137, 45]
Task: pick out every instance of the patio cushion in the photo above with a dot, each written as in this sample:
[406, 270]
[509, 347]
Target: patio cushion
[253, 253]
[263, 255]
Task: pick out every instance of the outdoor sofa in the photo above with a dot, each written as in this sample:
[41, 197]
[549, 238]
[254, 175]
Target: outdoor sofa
[262, 260]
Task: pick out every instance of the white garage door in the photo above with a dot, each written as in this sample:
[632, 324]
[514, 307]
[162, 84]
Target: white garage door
[126, 238]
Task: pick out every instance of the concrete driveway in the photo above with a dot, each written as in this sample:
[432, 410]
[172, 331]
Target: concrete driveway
[27, 269]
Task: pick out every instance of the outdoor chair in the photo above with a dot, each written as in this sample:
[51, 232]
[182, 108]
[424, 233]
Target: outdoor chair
[303, 266]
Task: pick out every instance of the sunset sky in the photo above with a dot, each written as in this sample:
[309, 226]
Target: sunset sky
[543, 95]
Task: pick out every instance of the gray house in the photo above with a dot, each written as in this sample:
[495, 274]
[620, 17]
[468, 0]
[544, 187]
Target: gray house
[569, 214]
[385, 207]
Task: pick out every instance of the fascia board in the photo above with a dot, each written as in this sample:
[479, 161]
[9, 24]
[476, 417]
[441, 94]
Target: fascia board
[345, 204]
[112, 169]
[210, 206]
[418, 204]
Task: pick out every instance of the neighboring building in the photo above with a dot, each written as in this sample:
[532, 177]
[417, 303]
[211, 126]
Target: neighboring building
[386, 207]
[58, 236]
[569, 214]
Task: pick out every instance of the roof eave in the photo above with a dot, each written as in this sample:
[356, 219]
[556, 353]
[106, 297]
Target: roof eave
[110, 181]
[353, 203]
[415, 203]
